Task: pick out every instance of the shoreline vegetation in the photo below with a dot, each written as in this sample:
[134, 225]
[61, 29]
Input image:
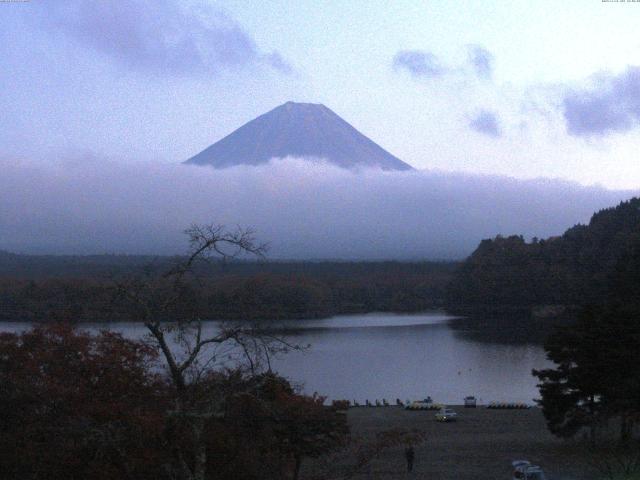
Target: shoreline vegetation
[83, 289]
[537, 284]
[541, 282]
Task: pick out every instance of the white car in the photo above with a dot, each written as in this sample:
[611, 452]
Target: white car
[446, 415]
[523, 470]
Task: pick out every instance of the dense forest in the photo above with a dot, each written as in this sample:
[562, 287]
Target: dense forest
[508, 273]
[594, 379]
[85, 288]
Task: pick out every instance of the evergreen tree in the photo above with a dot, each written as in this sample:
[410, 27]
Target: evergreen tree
[597, 357]
[572, 392]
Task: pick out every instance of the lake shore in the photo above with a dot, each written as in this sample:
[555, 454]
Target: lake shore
[480, 445]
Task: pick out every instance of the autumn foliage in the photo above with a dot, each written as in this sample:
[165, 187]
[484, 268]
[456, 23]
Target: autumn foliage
[77, 406]
[74, 405]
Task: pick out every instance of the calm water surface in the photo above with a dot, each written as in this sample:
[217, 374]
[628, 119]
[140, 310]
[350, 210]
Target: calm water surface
[391, 356]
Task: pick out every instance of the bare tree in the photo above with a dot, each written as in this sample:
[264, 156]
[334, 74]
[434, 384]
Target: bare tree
[191, 351]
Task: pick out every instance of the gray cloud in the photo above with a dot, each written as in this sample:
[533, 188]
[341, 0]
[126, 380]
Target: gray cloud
[425, 64]
[612, 106]
[419, 63]
[158, 35]
[422, 63]
[487, 123]
[303, 210]
[276, 60]
[482, 61]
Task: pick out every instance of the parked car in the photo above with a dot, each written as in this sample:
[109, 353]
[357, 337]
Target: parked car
[446, 415]
[523, 470]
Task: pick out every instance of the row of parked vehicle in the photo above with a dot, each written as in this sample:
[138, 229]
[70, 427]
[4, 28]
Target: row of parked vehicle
[422, 405]
[469, 402]
[508, 406]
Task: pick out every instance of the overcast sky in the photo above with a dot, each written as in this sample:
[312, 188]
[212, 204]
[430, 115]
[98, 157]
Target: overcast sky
[522, 88]
[100, 102]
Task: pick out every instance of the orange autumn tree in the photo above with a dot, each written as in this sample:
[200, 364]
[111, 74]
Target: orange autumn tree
[75, 405]
[175, 407]
[268, 430]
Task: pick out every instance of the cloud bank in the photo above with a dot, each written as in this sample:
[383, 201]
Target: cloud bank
[158, 35]
[303, 210]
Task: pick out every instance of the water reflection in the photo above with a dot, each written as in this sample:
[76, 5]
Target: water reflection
[501, 330]
[400, 356]
[410, 356]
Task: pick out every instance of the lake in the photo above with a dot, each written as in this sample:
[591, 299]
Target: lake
[375, 356]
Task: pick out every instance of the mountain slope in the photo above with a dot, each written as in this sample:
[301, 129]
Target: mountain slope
[302, 130]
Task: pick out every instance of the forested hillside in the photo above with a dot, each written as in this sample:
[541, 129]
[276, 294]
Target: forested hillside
[508, 273]
[85, 288]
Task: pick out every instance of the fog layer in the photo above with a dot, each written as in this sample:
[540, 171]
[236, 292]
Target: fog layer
[303, 209]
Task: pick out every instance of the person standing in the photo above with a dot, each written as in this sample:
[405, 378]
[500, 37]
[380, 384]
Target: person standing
[409, 454]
